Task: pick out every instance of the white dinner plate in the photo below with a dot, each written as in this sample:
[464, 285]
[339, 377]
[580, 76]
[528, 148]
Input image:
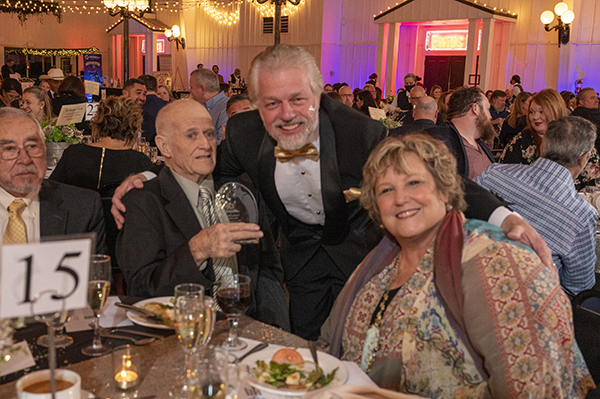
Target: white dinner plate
[327, 362]
[137, 319]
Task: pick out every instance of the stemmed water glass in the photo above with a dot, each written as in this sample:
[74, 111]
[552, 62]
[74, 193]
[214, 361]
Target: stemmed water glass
[234, 296]
[98, 290]
[57, 322]
[190, 325]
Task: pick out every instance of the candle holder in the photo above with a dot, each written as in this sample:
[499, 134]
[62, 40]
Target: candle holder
[126, 363]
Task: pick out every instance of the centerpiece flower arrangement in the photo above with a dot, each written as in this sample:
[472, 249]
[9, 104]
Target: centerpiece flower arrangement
[390, 123]
[62, 134]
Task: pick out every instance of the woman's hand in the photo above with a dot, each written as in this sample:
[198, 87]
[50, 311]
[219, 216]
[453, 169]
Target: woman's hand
[519, 230]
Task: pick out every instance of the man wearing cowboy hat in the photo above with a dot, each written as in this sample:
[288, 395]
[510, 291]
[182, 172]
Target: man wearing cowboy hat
[54, 77]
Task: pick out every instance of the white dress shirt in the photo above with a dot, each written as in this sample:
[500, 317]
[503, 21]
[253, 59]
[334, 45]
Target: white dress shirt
[298, 183]
[30, 215]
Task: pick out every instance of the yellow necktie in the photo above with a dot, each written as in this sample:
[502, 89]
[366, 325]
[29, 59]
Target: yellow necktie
[308, 151]
[16, 232]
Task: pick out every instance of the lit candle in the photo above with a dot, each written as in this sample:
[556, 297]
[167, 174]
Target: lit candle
[126, 379]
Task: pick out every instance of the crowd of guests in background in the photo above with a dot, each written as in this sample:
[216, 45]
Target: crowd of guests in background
[356, 225]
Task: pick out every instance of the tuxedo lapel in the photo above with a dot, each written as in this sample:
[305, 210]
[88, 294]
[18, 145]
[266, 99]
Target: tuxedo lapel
[53, 219]
[336, 217]
[266, 181]
[178, 206]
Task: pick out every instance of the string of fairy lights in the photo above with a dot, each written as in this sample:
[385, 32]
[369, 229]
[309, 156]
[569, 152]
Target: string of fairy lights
[224, 11]
[480, 4]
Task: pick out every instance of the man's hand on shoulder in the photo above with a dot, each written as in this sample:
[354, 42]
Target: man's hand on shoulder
[519, 230]
[134, 181]
[219, 240]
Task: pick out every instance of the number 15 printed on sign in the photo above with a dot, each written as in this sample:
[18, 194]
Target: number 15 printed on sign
[55, 272]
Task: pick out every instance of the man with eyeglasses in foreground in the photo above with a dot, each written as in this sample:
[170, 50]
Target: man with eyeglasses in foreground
[31, 207]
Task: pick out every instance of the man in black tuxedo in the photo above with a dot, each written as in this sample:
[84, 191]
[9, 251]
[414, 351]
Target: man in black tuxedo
[305, 151]
[31, 207]
[169, 238]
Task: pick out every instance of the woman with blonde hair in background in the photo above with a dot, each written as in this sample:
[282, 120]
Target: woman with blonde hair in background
[36, 102]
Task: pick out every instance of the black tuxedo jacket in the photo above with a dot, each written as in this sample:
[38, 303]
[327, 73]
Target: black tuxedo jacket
[153, 251]
[66, 209]
[346, 140]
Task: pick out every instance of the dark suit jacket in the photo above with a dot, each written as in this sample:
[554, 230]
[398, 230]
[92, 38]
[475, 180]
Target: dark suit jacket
[592, 115]
[415, 127]
[66, 209]
[346, 140]
[456, 146]
[154, 104]
[153, 251]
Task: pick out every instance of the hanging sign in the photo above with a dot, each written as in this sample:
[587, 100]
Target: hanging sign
[446, 40]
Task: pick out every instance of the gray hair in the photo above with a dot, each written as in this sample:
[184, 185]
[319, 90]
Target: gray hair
[206, 78]
[582, 92]
[10, 113]
[281, 57]
[568, 139]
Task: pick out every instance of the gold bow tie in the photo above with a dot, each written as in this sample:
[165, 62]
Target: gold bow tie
[308, 151]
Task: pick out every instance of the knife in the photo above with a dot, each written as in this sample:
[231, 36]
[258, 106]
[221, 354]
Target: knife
[136, 332]
[257, 348]
[145, 313]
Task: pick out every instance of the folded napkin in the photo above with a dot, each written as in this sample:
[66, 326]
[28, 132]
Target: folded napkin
[356, 392]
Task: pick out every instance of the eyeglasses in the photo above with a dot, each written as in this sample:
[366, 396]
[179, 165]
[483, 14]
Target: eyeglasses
[347, 95]
[10, 152]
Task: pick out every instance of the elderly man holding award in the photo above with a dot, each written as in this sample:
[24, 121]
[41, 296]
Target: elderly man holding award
[170, 235]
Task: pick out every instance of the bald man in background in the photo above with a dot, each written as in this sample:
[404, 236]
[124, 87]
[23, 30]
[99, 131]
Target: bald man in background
[425, 114]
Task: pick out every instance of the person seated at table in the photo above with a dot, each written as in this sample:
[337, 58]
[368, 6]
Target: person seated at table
[37, 103]
[71, 91]
[105, 163]
[544, 194]
[545, 107]
[30, 206]
[10, 92]
[170, 235]
[446, 306]
[517, 120]
[364, 100]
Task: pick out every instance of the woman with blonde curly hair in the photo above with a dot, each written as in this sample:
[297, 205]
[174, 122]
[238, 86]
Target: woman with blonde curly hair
[110, 159]
[446, 306]
[545, 107]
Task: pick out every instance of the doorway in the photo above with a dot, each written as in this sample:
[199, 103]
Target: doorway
[445, 71]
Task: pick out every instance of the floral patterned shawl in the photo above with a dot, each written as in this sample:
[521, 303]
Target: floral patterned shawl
[517, 319]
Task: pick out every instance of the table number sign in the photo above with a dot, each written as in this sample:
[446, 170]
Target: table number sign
[90, 110]
[56, 272]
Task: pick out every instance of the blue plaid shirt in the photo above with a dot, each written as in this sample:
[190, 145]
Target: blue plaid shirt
[544, 194]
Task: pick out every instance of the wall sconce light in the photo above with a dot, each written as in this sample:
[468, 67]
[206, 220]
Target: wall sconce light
[174, 34]
[565, 17]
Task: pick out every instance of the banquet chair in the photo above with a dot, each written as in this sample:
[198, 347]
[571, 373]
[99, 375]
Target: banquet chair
[586, 323]
[106, 193]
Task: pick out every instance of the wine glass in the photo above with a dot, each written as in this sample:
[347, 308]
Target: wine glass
[189, 322]
[234, 297]
[98, 290]
[57, 322]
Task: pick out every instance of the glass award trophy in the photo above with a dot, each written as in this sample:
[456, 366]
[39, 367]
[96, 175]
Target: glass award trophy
[235, 203]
